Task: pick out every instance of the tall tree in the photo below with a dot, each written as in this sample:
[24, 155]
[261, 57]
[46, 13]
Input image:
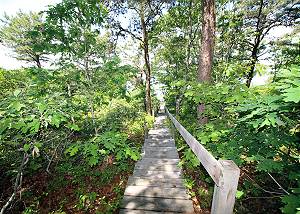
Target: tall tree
[174, 41]
[252, 21]
[207, 48]
[72, 28]
[259, 18]
[16, 34]
[144, 15]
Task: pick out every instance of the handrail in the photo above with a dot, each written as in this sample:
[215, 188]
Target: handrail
[212, 166]
[224, 173]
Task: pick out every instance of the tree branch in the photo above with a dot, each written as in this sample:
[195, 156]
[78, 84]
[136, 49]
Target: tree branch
[278, 184]
[129, 32]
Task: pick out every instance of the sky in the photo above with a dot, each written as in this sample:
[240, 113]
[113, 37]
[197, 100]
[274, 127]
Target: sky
[12, 6]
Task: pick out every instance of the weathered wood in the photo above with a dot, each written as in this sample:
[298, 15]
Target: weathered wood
[156, 174]
[156, 185]
[165, 167]
[157, 204]
[212, 166]
[156, 192]
[159, 137]
[159, 143]
[225, 173]
[163, 183]
[163, 152]
[160, 149]
[224, 194]
[161, 130]
[158, 161]
[129, 211]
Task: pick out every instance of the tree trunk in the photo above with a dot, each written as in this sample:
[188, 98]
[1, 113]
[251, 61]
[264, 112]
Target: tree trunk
[89, 95]
[257, 40]
[147, 63]
[38, 61]
[207, 41]
[253, 62]
[206, 50]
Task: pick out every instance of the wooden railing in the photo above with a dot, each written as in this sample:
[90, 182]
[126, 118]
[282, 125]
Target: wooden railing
[224, 173]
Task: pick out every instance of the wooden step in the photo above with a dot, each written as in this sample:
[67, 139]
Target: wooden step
[129, 211]
[166, 153]
[156, 185]
[159, 137]
[163, 183]
[158, 161]
[156, 174]
[164, 167]
[157, 204]
[156, 192]
[159, 143]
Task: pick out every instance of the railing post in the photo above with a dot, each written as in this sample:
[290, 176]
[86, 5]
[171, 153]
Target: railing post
[224, 194]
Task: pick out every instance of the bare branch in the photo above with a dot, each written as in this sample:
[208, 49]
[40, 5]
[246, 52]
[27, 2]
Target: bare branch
[278, 184]
[129, 32]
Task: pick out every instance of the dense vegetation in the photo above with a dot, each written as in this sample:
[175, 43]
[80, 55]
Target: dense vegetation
[68, 134]
[258, 126]
[72, 123]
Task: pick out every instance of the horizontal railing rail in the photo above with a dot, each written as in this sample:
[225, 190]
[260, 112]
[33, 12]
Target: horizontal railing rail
[224, 173]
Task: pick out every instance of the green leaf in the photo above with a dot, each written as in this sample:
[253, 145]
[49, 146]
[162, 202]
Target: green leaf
[16, 105]
[26, 147]
[239, 194]
[120, 155]
[131, 153]
[214, 136]
[269, 165]
[109, 145]
[292, 95]
[17, 92]
[41, 107]
[73, 127]
[93, 160]
[93, 149]
[4, 124]
[34, 126]
[292, 203]
[73, 150]
[56, 120]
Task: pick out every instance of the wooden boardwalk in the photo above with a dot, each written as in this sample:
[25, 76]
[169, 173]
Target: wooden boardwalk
[156, 185]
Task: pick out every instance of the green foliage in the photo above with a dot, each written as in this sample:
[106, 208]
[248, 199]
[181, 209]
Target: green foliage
[104, 145]
[256, 127]
[47, 116]
[15, 33]
[292, 202]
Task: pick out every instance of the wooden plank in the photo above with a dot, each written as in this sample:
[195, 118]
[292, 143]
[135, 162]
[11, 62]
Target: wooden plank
[158, 161]
[162, 183]
[167, 153]
[156, 192]
[162, 131]
[160, 140]
[160, 149]
[157, 204]
[167, 143]
[129, 211]
[224, 194]
[156, 174]
[212, 166]
[165, 167]
[159, 137]
[156, 185]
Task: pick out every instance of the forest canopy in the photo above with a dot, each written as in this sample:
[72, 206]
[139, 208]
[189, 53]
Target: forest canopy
[74, 117]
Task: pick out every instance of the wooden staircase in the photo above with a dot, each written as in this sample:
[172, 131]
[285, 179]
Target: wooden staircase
[156, 185]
